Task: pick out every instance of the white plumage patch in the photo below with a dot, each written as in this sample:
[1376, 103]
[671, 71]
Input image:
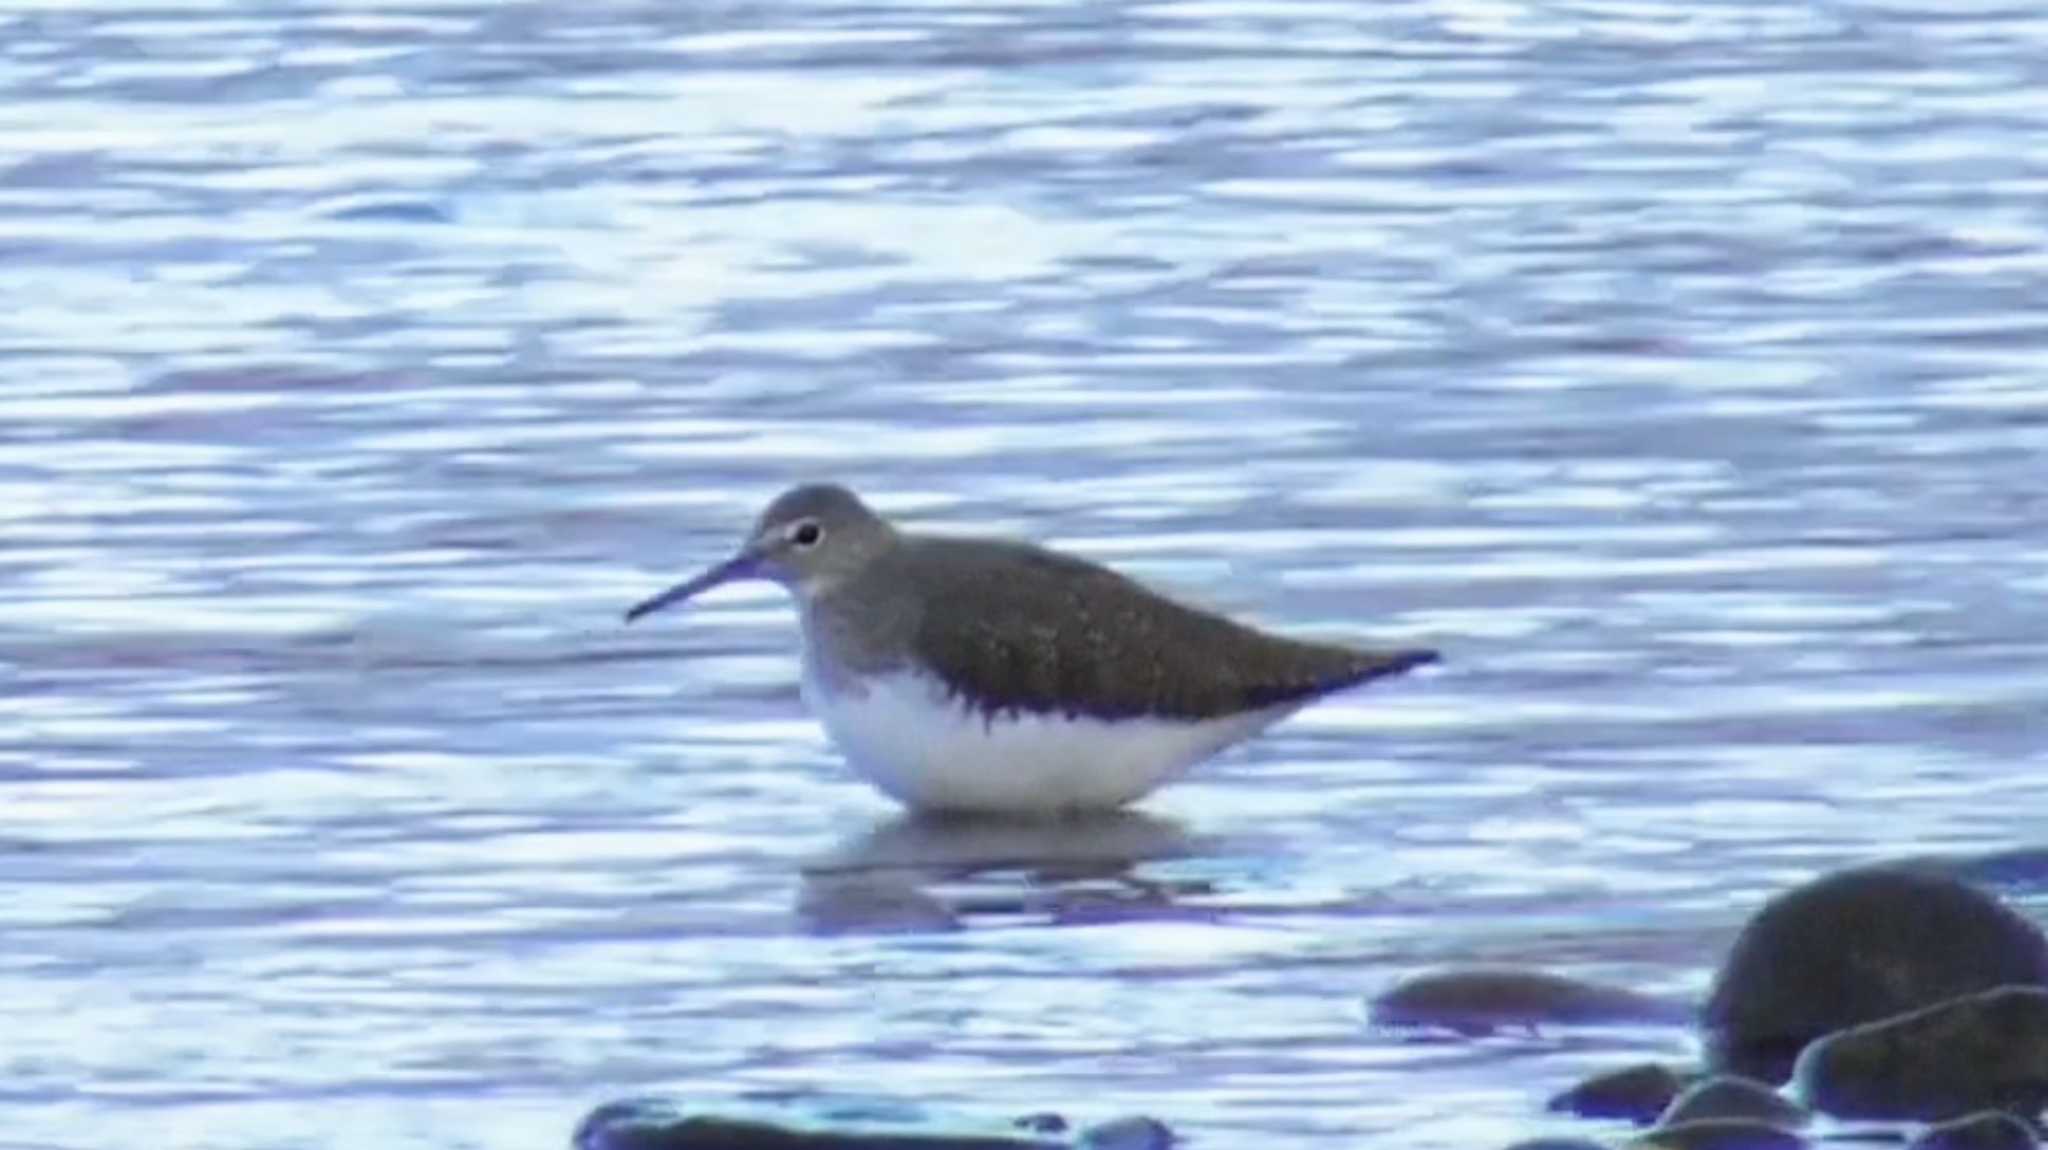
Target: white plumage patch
[904, 734]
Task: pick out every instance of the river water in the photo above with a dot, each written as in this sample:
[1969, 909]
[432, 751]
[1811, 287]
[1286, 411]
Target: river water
[1676, 368]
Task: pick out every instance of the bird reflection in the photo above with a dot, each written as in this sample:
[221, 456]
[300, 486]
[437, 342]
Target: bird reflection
[917, 872]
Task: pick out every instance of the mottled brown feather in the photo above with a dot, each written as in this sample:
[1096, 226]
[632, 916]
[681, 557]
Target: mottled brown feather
[1012, 627]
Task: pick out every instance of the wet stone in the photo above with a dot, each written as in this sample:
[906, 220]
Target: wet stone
[1637, 1093]
[1730, 1096]
[1984, 1130]
[1127, 1134]
[1476, 1001]
[1720, 1134]
[657, 1124]
[1854, 947]
[1986, 1051]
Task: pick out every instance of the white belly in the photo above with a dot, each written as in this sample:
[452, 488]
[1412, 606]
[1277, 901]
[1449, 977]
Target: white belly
[904, 735]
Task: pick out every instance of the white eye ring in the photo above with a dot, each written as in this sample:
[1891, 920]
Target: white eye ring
[806, 533]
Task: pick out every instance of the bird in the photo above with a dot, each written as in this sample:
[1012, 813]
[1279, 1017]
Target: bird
[983, 676]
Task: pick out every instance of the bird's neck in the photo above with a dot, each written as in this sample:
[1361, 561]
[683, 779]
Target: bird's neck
[826, 664]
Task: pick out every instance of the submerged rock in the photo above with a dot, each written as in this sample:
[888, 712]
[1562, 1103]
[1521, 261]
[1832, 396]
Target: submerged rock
[655, 1124]
[1854, 947]
[1984, 1130]
[1986, 1051]
[1133, 1133]
[1731, 1096]
[1638, 1093]
[1720, 1134]
[1480, 1000]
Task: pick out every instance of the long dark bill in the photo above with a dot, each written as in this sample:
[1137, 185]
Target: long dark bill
[739, 566]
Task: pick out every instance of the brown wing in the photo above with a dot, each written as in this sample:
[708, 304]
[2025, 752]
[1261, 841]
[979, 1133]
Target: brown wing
[1013, 627]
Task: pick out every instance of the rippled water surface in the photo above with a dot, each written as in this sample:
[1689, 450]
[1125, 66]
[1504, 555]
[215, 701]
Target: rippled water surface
[1676, 368]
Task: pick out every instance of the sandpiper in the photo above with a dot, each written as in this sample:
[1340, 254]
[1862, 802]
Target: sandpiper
[999, 677]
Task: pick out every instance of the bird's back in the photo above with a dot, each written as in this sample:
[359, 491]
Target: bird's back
[1011, 627]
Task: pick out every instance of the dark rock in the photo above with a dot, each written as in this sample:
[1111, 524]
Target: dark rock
[653, 1124]
[1127, 1134]
[1984, 1130]
[1480, 1000]
[1854, 947]
[1729, 1096]
[1720, 1134]
[709, 1132]
[1985, 1051]
[1638, 1093]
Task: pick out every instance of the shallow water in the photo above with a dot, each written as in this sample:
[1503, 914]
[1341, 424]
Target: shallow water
[1675, 368]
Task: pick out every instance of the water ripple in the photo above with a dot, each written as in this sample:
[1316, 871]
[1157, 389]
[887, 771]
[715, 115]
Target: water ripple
[1674, 369]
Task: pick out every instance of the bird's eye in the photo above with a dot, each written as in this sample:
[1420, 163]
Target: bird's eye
[806, 534]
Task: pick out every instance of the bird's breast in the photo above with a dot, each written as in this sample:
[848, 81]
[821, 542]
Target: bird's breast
[929, 748]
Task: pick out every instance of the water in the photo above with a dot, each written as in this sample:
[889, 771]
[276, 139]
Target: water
[1675, 367]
